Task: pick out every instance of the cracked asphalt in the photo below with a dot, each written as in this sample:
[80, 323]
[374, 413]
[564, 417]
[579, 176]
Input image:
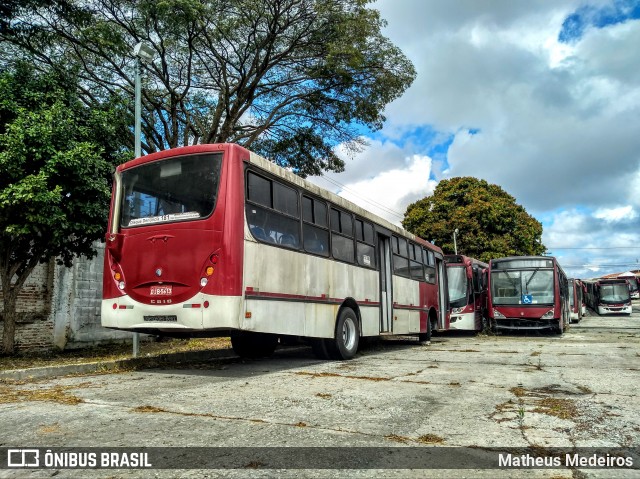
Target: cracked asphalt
[508, 390]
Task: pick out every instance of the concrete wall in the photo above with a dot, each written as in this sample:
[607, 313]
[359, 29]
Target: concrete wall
[59, 308]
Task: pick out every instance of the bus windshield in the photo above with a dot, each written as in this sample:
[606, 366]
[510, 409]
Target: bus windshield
[633, 284]
[614, 293]
[457, 282]
[571, 295]
[176, 189]
[522, 287]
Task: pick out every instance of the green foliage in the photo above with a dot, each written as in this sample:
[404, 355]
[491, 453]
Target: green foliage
[490, 223]
[55, 175]
[289, 79]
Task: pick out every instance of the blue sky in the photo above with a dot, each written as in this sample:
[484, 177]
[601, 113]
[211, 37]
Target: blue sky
[541, 98]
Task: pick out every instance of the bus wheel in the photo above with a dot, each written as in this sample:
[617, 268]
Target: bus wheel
[347, 335]
[247, 344]
[424, 338]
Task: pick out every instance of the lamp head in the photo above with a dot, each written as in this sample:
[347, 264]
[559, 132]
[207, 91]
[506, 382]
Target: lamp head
[144, 52]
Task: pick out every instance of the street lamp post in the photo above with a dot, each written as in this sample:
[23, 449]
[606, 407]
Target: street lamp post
[455, 245]
[141, 52]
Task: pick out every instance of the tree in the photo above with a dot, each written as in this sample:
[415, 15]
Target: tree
[290, 79]
[55, 180]
[489, 221]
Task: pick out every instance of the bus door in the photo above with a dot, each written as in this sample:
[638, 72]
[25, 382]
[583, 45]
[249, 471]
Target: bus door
[443, 301]
[386, 301]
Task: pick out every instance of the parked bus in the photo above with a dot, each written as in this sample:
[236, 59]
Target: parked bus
[576, 300]
[527, 292]
[633, 284]
[609, 296]
[214, 240]
[467, 292]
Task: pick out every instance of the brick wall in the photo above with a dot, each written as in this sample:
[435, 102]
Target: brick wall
[34, 324]
[59, 308]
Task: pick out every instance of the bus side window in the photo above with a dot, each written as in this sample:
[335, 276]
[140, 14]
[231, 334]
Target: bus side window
[342, 247]
[314, 226]
[365, 250]
[272, 211]
[429, 261]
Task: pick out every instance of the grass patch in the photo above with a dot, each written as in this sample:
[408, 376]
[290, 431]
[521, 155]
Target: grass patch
[336, 375]
[56, 394]
[112, 352]
[561, 408]
[396, 438]
[430, 439]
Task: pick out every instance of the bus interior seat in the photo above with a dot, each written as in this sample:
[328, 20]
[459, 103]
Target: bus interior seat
[314, 246]
[259, 233]
[287, 240]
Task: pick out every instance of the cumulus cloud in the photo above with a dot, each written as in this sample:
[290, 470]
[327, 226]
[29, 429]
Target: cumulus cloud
[386, 193]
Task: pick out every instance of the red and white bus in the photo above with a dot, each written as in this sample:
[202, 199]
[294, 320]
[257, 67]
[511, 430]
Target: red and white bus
[527, 292]
[214, 240]
[633, 284]
[576, 300]
[467, 292]
[609, 296]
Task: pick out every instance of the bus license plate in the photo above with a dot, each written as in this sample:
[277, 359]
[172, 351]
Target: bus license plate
[161, 290]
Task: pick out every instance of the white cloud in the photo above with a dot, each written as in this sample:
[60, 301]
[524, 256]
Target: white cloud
[386, 193]
[622, 213]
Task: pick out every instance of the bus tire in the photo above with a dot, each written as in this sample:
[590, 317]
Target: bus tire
[346, 337]
[424, 338]
[248, 344]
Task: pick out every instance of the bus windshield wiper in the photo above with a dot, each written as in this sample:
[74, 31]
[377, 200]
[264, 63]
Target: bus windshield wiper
[526, 286]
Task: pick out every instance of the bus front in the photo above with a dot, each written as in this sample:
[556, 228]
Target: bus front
[461, 304]
[523, 294]
[614, 297]
[173, 251]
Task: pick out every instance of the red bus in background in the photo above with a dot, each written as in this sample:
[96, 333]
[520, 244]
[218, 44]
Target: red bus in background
[213, 240]
[576, 300]
[467, 292]
[527, 292]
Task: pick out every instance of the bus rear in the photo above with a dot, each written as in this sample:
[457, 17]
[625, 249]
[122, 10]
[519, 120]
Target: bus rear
[527, 292]
[173, 260]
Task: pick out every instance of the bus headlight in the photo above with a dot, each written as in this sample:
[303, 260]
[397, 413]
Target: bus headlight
[548, 315]
[498, 315]
[457, 310]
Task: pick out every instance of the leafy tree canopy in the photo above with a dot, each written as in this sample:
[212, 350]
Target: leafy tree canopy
[289, 79]
[56, 160]
[490, 223]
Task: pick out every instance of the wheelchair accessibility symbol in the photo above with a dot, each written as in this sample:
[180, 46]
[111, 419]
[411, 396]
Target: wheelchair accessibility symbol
[527, 299]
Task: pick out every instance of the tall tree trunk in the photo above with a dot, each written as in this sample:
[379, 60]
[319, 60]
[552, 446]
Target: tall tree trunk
[9, 315]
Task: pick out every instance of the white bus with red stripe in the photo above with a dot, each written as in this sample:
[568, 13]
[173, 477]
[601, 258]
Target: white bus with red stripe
[467, 292]
[213, 240]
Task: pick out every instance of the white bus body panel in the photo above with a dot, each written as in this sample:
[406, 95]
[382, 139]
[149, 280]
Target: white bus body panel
[606, 310]
[296, 288]
[464, 322]
[223, 313]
